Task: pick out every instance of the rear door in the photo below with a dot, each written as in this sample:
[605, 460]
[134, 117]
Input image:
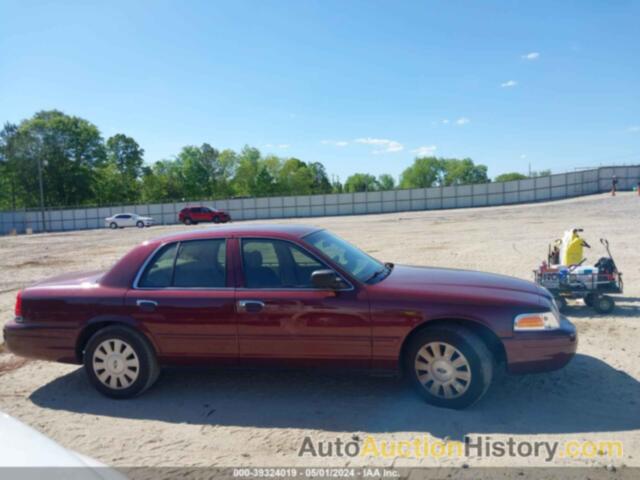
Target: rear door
[282, 318]
[184, 296]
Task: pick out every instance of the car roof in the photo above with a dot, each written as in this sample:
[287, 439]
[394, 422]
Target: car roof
[253, 230]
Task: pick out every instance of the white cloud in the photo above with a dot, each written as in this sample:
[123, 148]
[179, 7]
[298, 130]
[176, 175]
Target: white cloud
[384, 145]
[523, 156]
[634, 128]
[462, 121]
[445, 121]
[531, 56]
[425, 150]
[335, 143]
[284, 145]
[509, 84]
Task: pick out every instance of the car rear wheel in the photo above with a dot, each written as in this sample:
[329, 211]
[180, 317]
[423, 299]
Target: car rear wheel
[589, 299]
[140, 224]
[216, 219]
[450, 366]
[188, 221]
[113, 225]
[604, 304]
[120, 362]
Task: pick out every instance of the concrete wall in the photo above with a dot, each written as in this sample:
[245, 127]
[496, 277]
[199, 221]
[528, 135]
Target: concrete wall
[563, 185]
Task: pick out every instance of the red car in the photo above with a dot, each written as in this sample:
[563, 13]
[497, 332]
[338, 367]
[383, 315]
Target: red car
[193, 215]
[293, 296]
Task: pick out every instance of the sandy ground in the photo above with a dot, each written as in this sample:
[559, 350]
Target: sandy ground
[221, 418]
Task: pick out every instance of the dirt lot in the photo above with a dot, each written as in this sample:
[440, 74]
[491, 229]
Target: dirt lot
[255, 418]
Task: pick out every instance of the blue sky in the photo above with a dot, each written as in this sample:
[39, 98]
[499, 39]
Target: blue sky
[360, 86]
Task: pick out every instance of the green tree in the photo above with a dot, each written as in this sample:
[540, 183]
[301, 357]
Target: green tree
[386, 182]
[9, 186]
[265, 183]
[195, 175]
[127, 157]
[361, 182]
[108, 185]
[244, 180]
[541, 173]
[336, 186]
[506, 177]
[425, 172]
[463, 172]
[295, 178]
[228, 164]
[321, 182]
[68, 148]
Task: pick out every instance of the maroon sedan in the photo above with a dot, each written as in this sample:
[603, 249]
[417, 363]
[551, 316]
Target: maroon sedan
[194, 215]
[293, 296]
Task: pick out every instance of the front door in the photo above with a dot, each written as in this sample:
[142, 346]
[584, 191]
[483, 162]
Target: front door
[125, 220]
[186, 302]
[283, 318]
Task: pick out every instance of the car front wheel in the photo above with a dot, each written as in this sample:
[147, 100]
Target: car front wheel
[120, 362]
[113, 225]
[450, 366]
[140, 224]
[188, 221]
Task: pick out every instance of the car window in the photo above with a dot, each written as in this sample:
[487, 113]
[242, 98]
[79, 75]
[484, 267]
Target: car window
[352, 259]
[159, 272]
[123, 216]
[201, 264]
[277, 264]
[198, 264]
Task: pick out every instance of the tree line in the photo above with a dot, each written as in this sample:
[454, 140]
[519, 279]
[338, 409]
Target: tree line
[78, 167]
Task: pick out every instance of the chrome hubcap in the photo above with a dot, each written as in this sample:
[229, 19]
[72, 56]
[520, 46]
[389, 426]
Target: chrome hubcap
[116, 364]
[443, 370]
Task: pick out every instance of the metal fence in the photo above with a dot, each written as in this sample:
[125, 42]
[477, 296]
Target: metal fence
[553, 187]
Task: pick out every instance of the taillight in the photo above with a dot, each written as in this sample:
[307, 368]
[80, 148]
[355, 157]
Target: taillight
[18, 308]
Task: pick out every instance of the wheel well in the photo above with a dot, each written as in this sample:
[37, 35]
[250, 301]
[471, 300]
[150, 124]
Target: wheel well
[91, 329]
[487, 335]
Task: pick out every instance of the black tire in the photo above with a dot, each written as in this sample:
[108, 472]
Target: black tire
[604, 304]
[563, 306]
[188, 221]
[480, 364]
[140, 224]
[216, 219]
[113, 225]
[147, 371]
[589, 299]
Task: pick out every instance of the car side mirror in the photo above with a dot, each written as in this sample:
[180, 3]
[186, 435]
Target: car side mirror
[326, 279]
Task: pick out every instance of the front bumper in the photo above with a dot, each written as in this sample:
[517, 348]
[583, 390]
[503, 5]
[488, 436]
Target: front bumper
[532, 352]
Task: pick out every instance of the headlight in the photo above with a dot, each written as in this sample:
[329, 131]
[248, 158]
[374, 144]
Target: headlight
[530, 322]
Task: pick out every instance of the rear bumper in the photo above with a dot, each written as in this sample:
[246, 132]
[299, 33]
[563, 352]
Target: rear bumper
[39, 342]
[531, 352]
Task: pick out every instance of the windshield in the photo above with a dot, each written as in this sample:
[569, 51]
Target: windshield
[352, 259]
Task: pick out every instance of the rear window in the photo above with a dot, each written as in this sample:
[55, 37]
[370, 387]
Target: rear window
[159, 272]
[192, 264]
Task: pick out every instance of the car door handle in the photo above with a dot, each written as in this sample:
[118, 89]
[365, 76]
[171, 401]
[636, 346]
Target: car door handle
[147, 305]
[250, 306]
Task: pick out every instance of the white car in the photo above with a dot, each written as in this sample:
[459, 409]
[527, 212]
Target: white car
[22, 446]
[122, 220]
